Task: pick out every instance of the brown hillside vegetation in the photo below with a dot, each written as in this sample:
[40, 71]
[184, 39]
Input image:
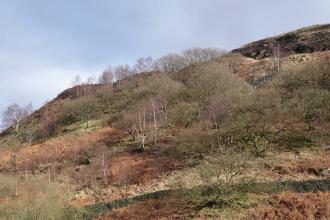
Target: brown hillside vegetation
[209, 139]
[151, 209]
[295, 206]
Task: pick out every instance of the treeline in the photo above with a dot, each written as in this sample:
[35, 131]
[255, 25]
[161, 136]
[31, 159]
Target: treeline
[168, 63]
[171, 62]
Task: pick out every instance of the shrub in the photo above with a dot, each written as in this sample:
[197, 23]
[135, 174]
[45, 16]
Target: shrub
[314, 75]
[215, 80]
[81, 109]
[224, 169]
[194, 142]
[35, 198]
[292, 139]
[184, 114]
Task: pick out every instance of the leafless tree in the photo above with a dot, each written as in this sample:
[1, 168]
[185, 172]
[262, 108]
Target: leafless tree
[15, 114]
[90, 80]
[89, 108]
[122, 71]
[165, 89]
[196, 55]
[140, 127]
[155, 121]
[107, 76]
[276, 50]
[104, 166]
[144, 64]
[170, 63]
[76, 82]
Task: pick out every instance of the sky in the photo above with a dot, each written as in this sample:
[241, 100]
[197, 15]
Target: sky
[45, 43]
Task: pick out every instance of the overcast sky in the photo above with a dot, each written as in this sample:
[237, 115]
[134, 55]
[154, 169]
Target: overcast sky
[44, 43]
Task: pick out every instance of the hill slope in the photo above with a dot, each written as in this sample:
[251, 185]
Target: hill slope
[306, 40]
[216, 140]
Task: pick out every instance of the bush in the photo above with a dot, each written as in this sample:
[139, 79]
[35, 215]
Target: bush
[225, 169]
[292, 139]
[298, 84]
[211, 80]
[34, 198]
[81, 109]
[184, 114]
[313, 75]
[194, 142]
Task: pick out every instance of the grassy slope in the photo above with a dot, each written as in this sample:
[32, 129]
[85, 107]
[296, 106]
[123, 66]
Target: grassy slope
[74, 153]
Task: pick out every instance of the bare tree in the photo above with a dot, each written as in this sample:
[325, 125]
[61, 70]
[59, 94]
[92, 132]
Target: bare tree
[140, 128]
[104, 167]
[165, 90]
[170, 63]
[144, 64]
[89, 107]
[196, 55]
[91, 80]
[276, 50]
[155, 122]
[107, 76]
[122, 71]
[15, 114]
[76, 82]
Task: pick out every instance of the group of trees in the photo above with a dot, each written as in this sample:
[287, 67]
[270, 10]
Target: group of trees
[171, 62]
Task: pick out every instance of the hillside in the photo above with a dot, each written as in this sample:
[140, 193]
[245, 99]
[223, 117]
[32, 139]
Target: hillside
[242, 136]
[306, 40]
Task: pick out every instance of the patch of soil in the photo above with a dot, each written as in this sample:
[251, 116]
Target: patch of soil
[294, 206]
[151, 209]
[141, 168]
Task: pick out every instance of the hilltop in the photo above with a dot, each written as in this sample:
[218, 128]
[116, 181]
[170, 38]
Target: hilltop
[305, 40]
[244, 135]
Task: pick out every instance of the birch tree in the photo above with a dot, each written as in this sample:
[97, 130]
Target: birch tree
[276, 51]
[76, 82]
[107, 78]
[14, 115]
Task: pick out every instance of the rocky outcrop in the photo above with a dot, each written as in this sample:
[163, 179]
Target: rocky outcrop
[305, 40]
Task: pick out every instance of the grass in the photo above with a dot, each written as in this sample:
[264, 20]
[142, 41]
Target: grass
[294, 206]
[206, 197]
[199, 116]
[34, 198]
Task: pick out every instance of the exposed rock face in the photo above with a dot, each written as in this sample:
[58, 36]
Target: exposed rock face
[305, 40]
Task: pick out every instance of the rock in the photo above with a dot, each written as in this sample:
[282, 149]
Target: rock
[326, 172]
